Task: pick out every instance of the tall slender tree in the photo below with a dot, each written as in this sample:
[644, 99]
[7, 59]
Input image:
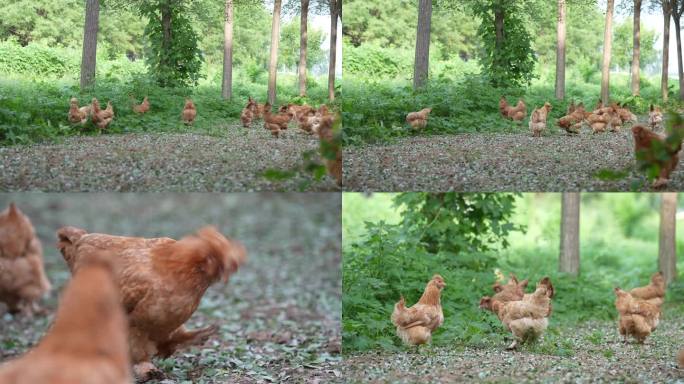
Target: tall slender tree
[667, 259]
[667, 13]
[677, 7]
[273, 62]
[335, 13]
[607, 46]
[422, 59]
[636, 50]
[89, 58]
[227, 84]
[560, 51]
[569, 261]
[303, 40]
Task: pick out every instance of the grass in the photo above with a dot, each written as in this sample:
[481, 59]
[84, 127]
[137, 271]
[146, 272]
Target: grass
[278, 316]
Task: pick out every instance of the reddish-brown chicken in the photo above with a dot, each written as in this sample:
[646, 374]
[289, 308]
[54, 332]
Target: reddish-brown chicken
[572, 122]
[143, 107]
[189, 112]
[100, 117]
[655, 119]
[330, 146]
[418, 120]
[538, 120]
[22, 277]
[87, 343]
[637, 318]
[654, 292]
[416, 324]
[248, 113]
[644, 150]
[516, 113]
[275, 123]
[78, 115]
[162, 281]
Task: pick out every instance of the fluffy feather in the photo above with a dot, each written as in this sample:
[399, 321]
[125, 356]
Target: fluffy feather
[416, 324]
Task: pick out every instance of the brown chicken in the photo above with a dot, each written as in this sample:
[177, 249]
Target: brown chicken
[143, 107]
[100, 117]
[87, 343]
[637, 317]
[516, 113]
[598, 120]
[418, 120]
[189, 112]
[655, 119]
[22, 277]
[654, 292]
[275, 123]
[527, 319]
[511, 291]
[248, 113]
[538, 120]
[78, 115]
[644, 139]
[307, 120]
[572, 122]
[416, 324]
[162, 281]
[331, 150]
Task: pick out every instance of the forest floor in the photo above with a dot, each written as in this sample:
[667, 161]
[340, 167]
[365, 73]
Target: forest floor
[235, 160]
[586, 353]
[499, 162]
[279, 315]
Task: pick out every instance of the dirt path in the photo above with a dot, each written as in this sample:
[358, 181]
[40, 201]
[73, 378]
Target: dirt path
[186, 162]
[589, 353]
[497, 162]
[278, 316]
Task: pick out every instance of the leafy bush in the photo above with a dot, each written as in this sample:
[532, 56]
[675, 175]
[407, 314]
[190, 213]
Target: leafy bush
[36, 60]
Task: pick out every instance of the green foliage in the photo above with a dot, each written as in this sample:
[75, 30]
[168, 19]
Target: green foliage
[36, 60]
[173, 56]
[619, 242]
[623, 42]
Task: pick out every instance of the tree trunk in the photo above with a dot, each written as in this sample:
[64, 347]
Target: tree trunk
[666, 48]
[303, 40]
[678, 37]
[166, 24]
[334, 14]
[560, 52]
[422, 60]
[89, 58]
[273, 63]
[227, 85]
[569, 261]
[607, 46]
[667, 258]
[636, 50]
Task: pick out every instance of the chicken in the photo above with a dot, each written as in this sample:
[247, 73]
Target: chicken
[516, 113]
[527, 319]
[416, 324]
[598, 120]
[307, 120]
[513, 290]
[275, 123]
[189, 112]
[162, 281]
[655, 119]
[653, 293]
[100, 117]
[626, 115]
[538, 119]
[143, 107]
[330, 145]
[572, 122]
[248, 113]
[664, 154]
[78, 115]
[22, 276]
[418, 120]
[637, 318]
[87, 343]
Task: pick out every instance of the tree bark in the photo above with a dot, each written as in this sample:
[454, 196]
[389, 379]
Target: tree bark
[273, 63]
[636, 50]
[303, 40]
[607, 46]
[667, 13]
[569, 261]
[334, 14]
[560, 52]
[677, 17]
[227, 85]
[166, 24]
[89, 58]
[422, 60]
[667, 259]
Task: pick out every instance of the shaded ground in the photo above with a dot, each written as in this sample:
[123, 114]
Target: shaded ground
[586, 353]
[279, 316]
[497, 162]
[233, 161]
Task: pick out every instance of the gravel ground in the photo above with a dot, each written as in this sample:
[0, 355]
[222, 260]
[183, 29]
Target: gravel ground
[590, 353]
[497, 162]
[279, 315]
[188, 162]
